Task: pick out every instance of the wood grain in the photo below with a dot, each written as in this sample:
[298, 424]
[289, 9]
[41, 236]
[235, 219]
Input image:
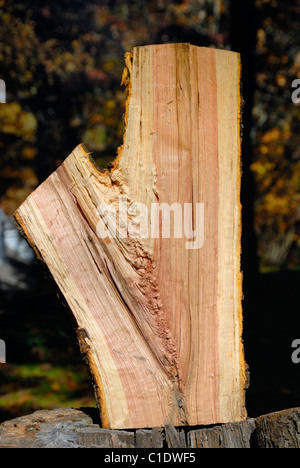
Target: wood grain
[71, 428]
[159, 317]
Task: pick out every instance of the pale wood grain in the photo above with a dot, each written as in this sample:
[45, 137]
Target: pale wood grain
[160, 324]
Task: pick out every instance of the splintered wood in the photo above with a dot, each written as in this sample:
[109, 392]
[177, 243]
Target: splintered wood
[147, 254]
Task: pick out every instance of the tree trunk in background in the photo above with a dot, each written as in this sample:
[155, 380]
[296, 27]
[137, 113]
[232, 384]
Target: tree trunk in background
[158, 311]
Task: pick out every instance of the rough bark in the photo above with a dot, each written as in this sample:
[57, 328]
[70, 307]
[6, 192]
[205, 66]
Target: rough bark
[279, 430]
[71, 428]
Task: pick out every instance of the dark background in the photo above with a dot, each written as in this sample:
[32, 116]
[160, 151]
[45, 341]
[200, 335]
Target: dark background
[62, 63]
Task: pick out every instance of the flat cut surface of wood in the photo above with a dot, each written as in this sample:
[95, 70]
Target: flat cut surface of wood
[158, 306]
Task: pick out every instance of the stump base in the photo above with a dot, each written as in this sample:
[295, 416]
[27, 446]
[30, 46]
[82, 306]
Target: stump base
[75, 428]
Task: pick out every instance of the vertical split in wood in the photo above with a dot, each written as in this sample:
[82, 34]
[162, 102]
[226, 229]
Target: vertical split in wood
[159, 318]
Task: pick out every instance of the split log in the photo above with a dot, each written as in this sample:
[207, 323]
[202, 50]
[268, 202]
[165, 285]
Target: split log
[158, 303]
[71, 428]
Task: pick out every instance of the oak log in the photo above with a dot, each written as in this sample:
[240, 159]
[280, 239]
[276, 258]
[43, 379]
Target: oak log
[158, 311]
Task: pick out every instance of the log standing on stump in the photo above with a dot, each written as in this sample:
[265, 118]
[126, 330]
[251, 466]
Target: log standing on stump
[159, 315]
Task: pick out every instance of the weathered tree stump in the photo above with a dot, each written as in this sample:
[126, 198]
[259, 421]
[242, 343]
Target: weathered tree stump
[72, 428]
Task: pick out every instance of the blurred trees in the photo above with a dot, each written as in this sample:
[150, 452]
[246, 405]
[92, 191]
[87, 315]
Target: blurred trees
[276, 133]
[62, 62]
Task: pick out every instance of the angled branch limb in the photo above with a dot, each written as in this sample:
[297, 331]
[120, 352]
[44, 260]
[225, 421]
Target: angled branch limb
[158, 306]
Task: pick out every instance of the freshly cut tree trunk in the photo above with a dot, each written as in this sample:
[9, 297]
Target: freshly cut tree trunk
[147, 254]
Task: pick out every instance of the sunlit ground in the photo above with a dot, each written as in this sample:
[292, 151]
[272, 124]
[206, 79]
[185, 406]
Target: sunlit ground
[29, 387]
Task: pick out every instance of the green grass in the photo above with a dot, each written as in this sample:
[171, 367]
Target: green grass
[29, 387]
